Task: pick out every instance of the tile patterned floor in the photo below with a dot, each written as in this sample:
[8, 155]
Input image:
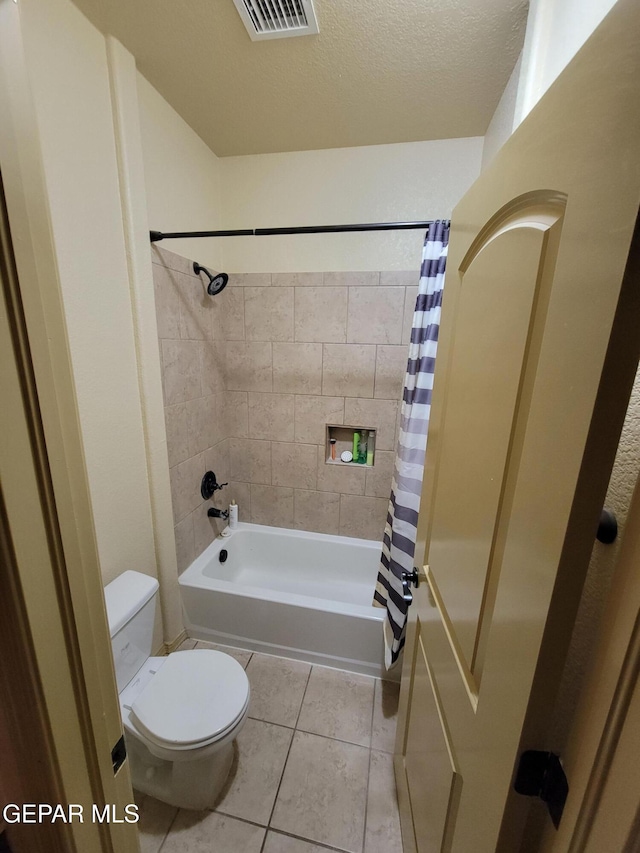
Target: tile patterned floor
[313, 770]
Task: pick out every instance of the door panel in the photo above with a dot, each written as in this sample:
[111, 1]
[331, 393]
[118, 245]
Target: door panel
[487, 363]
[430, 764]
[532, 382]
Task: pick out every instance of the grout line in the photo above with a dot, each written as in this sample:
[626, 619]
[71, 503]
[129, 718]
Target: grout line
[366, 802]
[308, 841]
[169, 828]
[284, 766]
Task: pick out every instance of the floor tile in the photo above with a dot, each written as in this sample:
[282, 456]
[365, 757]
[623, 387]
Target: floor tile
[385, 715]
[204, 832]
[338, 704]
[154, 823]
[254, 778]
[241, 655]
[323, 792]
[382, 834]
[278, 843]
[186, 645]
[277, 688]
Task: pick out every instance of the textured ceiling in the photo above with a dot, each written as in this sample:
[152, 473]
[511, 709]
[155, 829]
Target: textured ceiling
[379, 71]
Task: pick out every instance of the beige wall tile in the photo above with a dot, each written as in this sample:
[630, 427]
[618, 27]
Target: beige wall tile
[181, 371]
[228, 322]
[196, 309]
[216, 459]
[375, 414]
[400, 278]
[294, 464]
[410, 296]
[318, 512]
[212, 367]
[352, 279]
[272, 505]
[177, 424]
[250, 279]
[169, 259]
[296, 279]
[185, 552]
[204, 423]
[250, 461]
[268, 314]
[271, 416]
[348, 369]
[378, 480]
[398, 424]
[375, 315]
[241, 494]
[391, 369]
[205, 529]
[337, 477]
[249, 366]
[185, 486]
[297, 368]
[312, 414]
[363, 517]
[167, 296]
[237, 414]
[321, 314]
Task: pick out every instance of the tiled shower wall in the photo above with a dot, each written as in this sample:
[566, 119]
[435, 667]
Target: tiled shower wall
[251, 378]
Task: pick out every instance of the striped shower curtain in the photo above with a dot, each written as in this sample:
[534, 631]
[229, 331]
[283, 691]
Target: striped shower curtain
[399, 540]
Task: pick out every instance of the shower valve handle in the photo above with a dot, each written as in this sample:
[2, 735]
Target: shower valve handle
[209, 485]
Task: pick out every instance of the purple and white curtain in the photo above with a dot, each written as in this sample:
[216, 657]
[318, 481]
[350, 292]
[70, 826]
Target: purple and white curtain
[399, 540]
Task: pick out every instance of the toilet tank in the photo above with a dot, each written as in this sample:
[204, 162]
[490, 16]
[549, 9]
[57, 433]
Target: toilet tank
[131, 606]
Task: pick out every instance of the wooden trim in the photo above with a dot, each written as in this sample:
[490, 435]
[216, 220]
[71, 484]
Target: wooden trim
[174, 644]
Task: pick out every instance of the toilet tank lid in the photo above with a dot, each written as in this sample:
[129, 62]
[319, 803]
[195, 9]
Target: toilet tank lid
[125, 596]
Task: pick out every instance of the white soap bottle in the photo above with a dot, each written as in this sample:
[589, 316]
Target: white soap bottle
[233, 515]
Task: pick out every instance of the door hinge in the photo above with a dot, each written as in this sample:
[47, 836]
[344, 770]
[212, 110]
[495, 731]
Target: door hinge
[540, 774]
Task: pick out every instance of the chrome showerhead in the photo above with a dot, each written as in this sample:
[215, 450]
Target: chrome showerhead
[217, 282]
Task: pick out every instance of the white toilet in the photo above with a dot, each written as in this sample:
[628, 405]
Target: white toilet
[181, 713]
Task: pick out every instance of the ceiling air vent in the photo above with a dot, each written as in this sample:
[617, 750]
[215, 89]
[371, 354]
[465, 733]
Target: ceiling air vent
[271, 19]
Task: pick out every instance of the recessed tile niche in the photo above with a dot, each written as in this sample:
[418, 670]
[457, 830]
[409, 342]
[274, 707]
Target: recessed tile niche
[343, 437]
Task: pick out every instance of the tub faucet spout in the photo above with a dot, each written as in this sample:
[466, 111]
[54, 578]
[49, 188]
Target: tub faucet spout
[214, 512]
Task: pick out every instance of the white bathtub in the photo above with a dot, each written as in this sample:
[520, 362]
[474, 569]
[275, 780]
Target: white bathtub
[290, 593]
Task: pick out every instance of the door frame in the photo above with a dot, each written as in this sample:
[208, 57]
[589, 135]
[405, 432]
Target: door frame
[53, 615]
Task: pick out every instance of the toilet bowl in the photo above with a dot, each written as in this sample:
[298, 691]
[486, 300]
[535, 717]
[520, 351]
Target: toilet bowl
[181, 713]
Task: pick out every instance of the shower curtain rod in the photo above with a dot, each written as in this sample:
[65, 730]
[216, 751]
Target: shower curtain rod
[156, 236]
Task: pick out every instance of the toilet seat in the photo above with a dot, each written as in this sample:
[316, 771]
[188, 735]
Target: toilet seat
[194, 699]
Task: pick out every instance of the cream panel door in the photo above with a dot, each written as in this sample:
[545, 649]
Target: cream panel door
[488, 360]
[537, 353]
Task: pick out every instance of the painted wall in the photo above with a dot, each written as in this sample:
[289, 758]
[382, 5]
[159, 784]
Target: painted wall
[556, 30]
[503, 122]
[67, 64]
[377, 183]
[181, 177]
